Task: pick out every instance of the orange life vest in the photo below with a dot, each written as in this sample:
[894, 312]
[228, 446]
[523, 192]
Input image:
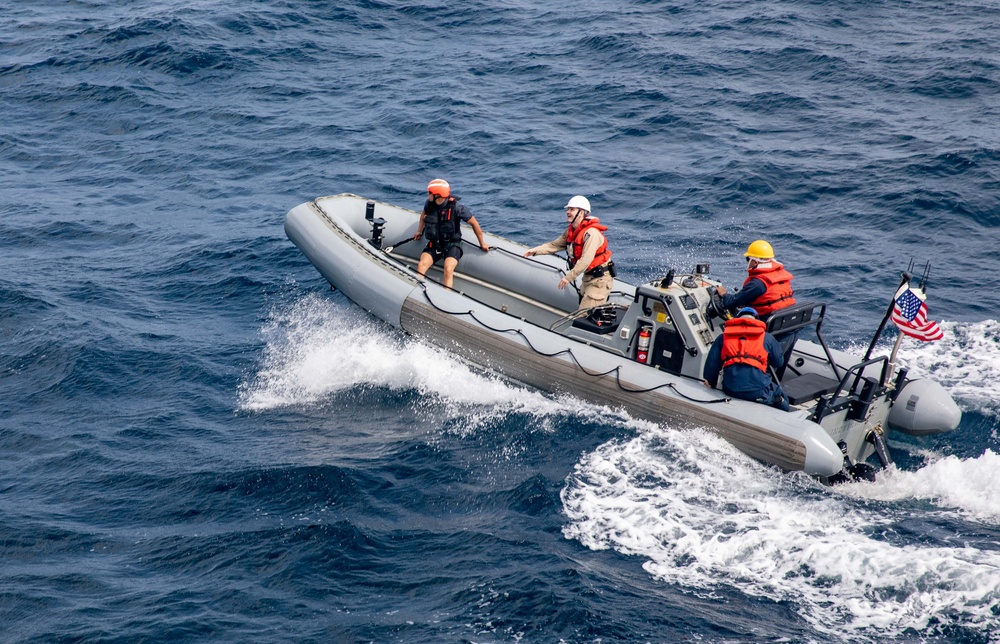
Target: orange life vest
[574, 243]
[779, 292]
[743, 343]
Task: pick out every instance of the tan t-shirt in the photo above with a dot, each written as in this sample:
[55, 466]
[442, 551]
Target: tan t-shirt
[592, 242]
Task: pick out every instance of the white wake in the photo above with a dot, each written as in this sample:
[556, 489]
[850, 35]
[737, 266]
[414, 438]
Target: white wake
[317, 347]
[706, 517]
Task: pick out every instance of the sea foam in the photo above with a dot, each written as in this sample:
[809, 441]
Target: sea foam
[706, 517]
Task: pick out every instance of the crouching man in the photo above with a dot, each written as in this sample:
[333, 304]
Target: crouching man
[743, 354]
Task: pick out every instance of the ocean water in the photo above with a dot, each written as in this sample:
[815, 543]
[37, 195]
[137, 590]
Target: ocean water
[199, 441]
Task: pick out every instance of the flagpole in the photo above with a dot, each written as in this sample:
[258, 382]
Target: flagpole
[905, 279]
[892, 358]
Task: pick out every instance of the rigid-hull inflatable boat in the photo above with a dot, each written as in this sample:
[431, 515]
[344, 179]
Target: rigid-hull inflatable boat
[506, 314]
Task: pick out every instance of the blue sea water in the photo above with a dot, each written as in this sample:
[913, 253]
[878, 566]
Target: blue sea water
[200, 442]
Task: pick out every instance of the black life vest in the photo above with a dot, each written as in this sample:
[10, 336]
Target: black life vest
[441, 223]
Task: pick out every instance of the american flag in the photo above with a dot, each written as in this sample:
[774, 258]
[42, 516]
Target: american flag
[910, 314]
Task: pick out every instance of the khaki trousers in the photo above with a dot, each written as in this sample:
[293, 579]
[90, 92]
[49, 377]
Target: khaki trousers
[595, 290]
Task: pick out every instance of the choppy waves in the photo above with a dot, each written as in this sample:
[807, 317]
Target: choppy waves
[199, 441]
[317, 348]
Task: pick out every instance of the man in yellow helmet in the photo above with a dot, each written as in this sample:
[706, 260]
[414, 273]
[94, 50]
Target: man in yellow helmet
[768, 288]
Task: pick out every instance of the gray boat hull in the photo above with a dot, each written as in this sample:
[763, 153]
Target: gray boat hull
[501, 316]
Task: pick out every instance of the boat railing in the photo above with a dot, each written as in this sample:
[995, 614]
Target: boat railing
[561, 271]
[858, 401]
[504, 251]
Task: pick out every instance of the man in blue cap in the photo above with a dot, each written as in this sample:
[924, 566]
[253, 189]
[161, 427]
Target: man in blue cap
[743, 354]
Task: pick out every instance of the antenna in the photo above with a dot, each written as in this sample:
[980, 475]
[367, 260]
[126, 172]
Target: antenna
[907, 275]
[923, 280]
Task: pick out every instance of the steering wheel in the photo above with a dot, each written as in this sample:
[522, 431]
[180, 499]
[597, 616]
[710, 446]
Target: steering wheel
[714, 307]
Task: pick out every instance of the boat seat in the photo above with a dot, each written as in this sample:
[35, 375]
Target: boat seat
[601, 319]
[808, 386]
[795, 317]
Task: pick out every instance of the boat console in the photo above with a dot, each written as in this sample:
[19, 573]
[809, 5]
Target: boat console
[681, 316]
[671, 313]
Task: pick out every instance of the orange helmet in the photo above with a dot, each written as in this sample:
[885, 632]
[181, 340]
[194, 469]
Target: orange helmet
[439, 187]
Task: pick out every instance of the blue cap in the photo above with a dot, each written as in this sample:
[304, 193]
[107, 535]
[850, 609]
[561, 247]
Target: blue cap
[746, 310]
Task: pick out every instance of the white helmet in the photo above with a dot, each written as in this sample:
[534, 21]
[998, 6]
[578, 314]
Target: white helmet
[579, 201]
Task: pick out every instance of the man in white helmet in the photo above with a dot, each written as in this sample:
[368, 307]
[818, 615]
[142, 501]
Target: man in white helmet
[588, 253]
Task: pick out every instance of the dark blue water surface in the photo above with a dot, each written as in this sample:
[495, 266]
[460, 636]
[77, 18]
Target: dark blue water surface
[200, 442]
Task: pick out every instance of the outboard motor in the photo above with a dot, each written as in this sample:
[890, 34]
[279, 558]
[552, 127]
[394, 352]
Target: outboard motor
[877, 438]
[852, 471]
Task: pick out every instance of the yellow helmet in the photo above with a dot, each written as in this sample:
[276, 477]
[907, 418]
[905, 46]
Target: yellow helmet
[759, 249]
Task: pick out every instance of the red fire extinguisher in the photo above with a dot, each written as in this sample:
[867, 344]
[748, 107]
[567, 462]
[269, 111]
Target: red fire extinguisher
[642, 351]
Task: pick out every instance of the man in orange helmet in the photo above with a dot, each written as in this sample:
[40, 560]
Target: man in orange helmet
[589, 255]
[441, 222]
